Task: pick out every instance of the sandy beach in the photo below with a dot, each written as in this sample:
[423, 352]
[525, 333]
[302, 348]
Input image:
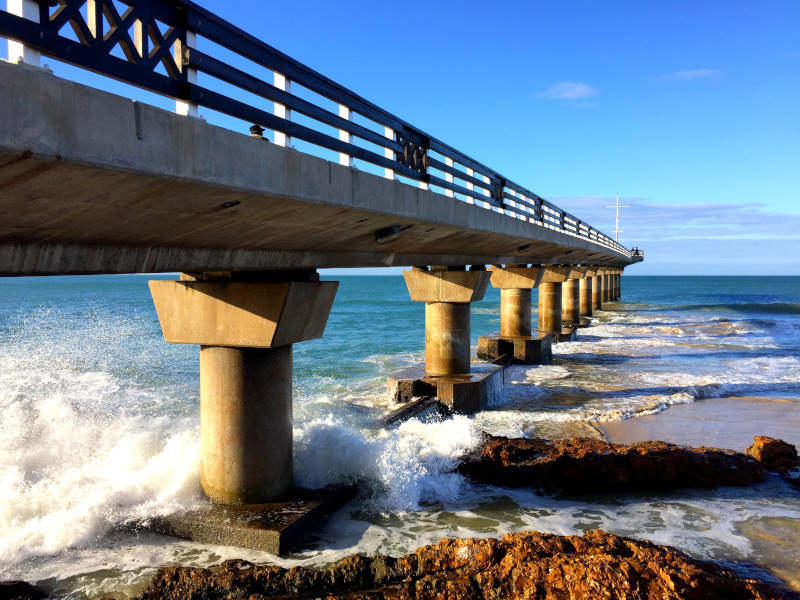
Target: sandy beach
[731, 423]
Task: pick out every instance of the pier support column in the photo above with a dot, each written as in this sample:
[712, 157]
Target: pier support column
[571, 302]
[606, 287]
[245, 330]
[616, 286]
[515, 341]
[619, 285]
[515, 312]
[597, 291]
[550, 307]
[446, 338]
[586, 293]
[550, 303]
[447, 293]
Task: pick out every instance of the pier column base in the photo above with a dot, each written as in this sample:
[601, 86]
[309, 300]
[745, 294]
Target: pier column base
[515, 342]
[448, 375]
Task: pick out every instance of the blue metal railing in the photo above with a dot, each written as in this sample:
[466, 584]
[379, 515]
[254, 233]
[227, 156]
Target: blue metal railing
[157, 39]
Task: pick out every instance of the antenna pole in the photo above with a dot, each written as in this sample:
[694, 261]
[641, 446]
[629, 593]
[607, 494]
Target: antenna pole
[617, 230]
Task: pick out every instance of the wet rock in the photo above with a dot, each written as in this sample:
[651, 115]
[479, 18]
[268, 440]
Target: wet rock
[773, 454]
[526, 565]
[590, 465]
[20, 590]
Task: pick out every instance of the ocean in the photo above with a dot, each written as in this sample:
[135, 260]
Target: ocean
[99, 426]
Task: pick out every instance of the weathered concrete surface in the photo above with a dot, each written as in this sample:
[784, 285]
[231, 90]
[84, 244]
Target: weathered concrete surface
[446, 286]
[276, 527]
[529, 350]
[586, 291]
[571, 302]
[516, 277]
[446, 338]
[245, 423]
[447, 294]
[245, 329]
[515, 312]
[597, 293]
[242, 314]
[463, 393]
[550, 308]
[91, 182]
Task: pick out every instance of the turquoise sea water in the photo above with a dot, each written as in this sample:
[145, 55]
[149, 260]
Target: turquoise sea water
[99, 423]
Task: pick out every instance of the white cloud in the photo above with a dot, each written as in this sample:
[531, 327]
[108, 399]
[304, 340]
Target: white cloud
[650, 221]
[568, 90]
[692, 74]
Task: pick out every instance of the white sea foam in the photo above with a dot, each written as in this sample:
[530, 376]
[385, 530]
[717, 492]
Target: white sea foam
[410, 464]
[69, 472]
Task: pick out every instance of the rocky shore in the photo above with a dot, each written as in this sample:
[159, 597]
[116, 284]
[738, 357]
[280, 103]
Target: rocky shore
[520, 565]
[579, 465]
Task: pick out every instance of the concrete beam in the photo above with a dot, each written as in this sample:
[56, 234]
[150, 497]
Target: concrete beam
[82, 168]
[446, 286]
[556, 274]
[246, 315]
[521, 278]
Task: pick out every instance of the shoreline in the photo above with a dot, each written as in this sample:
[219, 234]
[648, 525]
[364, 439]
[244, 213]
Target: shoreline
[731, 422]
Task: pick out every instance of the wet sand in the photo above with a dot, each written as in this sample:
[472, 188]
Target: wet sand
[723, 422]
[731, 423]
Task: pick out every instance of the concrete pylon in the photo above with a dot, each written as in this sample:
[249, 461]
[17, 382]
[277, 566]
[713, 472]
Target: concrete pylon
[515, 340]
[515, 312]
[447, 294]
[597, 290]
[550, 302]
[606, 286]
[550, 319]
[448, 374]
[245, 330]
[586, 292]
[571, 302]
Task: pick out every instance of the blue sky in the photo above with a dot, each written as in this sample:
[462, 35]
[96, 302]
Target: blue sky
[689, 110]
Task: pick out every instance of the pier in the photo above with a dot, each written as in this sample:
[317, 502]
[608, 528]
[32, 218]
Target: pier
[96, 183]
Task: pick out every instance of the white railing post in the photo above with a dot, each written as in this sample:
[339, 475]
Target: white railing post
[448, 177]
[280, 81]
[18, 52]
[345, 136]
[187, 109]
[388, 132]
[470, 185]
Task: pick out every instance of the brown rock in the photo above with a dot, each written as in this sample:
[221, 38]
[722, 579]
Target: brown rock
[591, 465]
[597, 565]
[20, 590]
[774, 455]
